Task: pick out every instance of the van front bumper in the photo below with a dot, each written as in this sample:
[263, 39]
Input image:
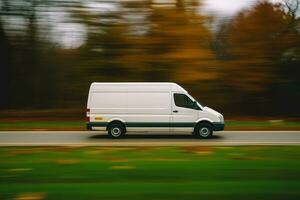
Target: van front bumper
[218, 126]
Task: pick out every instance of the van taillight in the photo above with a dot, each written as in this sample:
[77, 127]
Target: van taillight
[87, 115]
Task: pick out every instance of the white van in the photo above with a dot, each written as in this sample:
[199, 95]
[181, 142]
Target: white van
[124, 107]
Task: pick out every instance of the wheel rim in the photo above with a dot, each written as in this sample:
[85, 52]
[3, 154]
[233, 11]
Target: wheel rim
[204, 131]
[116, 132]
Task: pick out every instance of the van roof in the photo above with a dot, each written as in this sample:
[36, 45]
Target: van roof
[136, 83]
[175, 86]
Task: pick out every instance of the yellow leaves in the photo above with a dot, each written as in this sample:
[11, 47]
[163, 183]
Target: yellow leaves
[201, 70]
[190, 54]
[200, 150]
[177, 42]
[193, 74]
[67, 161]
[254, 40]
[122, 167]
[30, 196]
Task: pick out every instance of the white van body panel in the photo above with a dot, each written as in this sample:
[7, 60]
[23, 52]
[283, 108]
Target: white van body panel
[143, 107]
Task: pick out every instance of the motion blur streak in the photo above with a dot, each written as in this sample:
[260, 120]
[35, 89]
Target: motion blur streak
[150, 173]
[246, 63]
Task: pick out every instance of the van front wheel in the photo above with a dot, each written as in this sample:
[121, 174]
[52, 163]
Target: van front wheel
[204, 130]
[116, 130]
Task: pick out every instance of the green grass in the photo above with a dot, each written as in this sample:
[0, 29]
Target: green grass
[263, 125]
[150, 173]
[80, 125]
[47, 125]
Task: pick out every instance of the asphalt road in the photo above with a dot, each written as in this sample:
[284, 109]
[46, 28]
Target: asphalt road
[94, 138]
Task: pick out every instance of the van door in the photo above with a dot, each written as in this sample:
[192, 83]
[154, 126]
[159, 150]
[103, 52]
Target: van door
[184, 115]
[148, 111]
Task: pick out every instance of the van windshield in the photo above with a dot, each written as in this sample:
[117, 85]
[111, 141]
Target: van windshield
[199, 104]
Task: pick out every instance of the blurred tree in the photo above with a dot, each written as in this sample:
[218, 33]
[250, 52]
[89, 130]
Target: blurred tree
[286, 88]
[254, 42]
[252, 45]
[176, 46]
[292, 9]
[101, 57]
[251, 62]
[5, 59]
[149, 41]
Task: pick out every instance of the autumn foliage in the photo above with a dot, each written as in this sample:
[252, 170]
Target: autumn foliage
[244, 65]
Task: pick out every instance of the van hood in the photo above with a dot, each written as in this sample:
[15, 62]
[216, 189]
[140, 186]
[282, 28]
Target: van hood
[212, 111]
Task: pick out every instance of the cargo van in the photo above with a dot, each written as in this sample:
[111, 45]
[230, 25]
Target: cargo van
[119, 108]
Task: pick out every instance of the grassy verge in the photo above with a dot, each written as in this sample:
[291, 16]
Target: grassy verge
[262, 125]
[80, 125]
[42, 125]
[150, 173]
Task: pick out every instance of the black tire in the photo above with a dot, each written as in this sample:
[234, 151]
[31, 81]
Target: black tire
[204, 130]
[116, 130]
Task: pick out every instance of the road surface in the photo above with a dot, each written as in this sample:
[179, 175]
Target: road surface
[94, 138]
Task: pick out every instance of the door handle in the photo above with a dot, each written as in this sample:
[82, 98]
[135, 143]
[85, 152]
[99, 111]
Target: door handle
[175, 111]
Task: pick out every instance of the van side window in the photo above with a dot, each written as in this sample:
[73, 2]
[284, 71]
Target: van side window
[181, 100]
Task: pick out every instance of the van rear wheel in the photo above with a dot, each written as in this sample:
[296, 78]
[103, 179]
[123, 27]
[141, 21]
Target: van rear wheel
[204, 130]
[116, 130]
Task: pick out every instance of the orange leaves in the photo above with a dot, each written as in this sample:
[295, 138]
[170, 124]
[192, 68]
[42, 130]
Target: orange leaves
[254, 41]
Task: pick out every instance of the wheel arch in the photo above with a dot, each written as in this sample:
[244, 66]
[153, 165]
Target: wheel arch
[116, 120]
[203, 120]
